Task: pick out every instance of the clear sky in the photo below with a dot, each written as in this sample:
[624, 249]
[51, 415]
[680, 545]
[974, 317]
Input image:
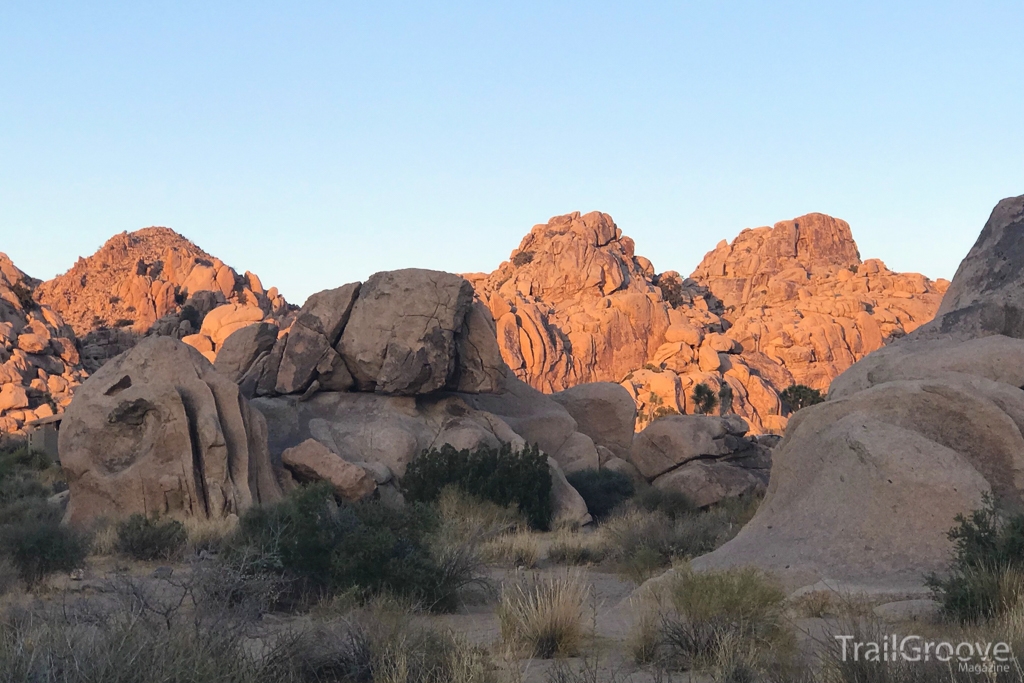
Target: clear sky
[316, 143]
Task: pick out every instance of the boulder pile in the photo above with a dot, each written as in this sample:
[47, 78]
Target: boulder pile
[367, 377]
[778, 306]
[151, 281]
[39, 360]
[866, 486]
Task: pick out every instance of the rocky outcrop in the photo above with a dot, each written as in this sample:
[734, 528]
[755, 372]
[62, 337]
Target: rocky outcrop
[157, 431]
[799, 294]
[778, 306]
[401, 333]
[603, 411]
[866, 485]
[39, 360]
[142, 282]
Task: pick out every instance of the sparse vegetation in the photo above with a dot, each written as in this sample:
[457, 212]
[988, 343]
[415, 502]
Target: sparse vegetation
[799, 396]
[499, 475]
[602, 490]
[704, 398]
[575, 548]
[516, 549]
[522, 258]
[730, 620]
[725, 398]
[145, 538]
[986, 576]
[324, 548]
[545, 616]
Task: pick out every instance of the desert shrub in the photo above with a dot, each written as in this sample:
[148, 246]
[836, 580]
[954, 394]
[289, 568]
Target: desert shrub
[671, 291]
[602, 490]
[672, 504]
[577, 549]
[368, 547]
[522, 258]
[145, 538]
[704, 398]
[987, 567]
[799, 396]
[645, 542]
[498, 475]
[9, 576]
[32, 537]
[545, 616]
[208, 534]
[730, 620]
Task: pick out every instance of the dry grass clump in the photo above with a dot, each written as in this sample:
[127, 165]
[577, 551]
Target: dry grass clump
[730, 622]
[518, 548]
[208, 534]
[575, 548]
[545, 616]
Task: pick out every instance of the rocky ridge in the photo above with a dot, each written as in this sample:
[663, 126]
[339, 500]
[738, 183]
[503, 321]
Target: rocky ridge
[39, 361]
[152, 281]
[778, 306]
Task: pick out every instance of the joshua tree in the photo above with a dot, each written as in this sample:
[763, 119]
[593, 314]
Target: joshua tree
[800, 396]
[704, 398]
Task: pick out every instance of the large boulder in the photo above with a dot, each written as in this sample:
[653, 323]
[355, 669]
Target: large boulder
[157, 431]
[676, 439]
[604, 411]
[402, 337]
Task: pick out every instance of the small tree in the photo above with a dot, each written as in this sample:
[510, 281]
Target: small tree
[704, 398]
[800, 396]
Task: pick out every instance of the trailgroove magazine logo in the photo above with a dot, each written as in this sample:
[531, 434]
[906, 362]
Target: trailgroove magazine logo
[971, 657]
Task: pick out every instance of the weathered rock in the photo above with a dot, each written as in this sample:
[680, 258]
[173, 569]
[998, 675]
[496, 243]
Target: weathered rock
[625, 468]
[375, 428]
[671, 441]
[866, 486]
[243, 348]
[39, 362]
[312, 461]
[158, 431]
[569, 508]
[778, 306]
[706, 482]
[603, 411]
[154, 281]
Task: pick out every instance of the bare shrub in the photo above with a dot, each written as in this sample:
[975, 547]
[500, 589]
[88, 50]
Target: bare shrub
[544, 616]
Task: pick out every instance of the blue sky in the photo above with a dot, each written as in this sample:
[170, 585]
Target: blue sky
[316, 143]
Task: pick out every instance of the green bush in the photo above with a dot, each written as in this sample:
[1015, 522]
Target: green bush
[988, 559]
[704, 398]
[502, 476]
[800, 396]
[365, 547]
[522, 258]
[673, 504]
[602, 490]
[32, 537]
[143, 538]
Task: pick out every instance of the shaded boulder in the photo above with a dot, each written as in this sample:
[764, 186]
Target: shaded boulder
[604, 411]
[158, 431]
[676, 439]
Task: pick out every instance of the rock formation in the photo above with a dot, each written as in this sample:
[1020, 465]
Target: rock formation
[157, 431]
[866, 485]
[575, 304]
[139, 283]
[39, 361]
[799, 294]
